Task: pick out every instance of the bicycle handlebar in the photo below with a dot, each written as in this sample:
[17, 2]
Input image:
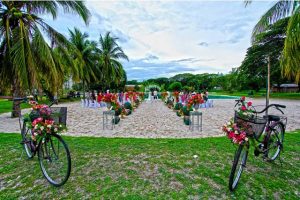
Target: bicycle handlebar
[277, 106]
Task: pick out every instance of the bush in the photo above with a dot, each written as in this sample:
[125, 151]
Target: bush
[186, 120]
[176, 86]
[128, 105]
[186, 111]
[116, 120]
[178, 106]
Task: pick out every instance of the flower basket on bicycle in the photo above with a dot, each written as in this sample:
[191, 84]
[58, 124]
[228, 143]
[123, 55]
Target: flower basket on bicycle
[251, 123]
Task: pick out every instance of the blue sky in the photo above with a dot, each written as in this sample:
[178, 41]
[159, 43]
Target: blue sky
[164, 38]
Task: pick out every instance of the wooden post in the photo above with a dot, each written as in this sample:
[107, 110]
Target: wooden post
[268, 84]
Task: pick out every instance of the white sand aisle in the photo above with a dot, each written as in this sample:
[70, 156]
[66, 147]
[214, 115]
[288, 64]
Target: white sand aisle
[153, 120]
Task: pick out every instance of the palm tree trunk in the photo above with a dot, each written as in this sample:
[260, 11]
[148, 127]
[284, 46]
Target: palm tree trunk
[16, 108]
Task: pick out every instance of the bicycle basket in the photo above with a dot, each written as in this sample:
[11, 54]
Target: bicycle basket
[59, 114]
[251, 124]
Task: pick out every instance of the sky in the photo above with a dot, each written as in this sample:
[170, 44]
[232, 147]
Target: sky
[165, 38]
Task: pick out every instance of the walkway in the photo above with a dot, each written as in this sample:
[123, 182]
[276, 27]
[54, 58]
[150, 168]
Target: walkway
[153, 120]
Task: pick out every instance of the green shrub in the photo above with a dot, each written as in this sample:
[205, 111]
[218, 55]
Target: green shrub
[128, 105]
[178, 106]
[186, 111]
[186, 121]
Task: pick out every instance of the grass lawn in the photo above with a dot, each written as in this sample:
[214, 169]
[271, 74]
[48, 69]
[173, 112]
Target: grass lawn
[260, 94]
[151, 169]
[6, 105]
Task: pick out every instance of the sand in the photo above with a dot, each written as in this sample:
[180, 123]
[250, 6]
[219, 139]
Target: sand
[153, 120]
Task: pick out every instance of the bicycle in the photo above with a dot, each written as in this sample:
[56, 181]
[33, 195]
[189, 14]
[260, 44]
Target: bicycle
[265, 133]
[52, 151]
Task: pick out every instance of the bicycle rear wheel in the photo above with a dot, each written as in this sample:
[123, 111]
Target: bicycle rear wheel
[27, 141]
[275, 142]
[238, 165]
[55, 160]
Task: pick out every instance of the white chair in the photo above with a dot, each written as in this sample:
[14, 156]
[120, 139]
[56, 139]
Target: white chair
[211, 103]
[91, 104]
[86, 103]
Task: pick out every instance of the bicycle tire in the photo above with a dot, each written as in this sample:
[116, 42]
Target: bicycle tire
[275, 142]
[49, 157]
[27, 141]
[234, 178]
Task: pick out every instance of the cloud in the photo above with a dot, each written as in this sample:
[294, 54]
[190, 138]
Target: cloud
[159, 37]
[204, 44]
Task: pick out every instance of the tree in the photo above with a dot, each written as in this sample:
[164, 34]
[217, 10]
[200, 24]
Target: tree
[85, 55]
[290, 61]
[25, 54]
[110, 54]
[175, 86]
[270, 43]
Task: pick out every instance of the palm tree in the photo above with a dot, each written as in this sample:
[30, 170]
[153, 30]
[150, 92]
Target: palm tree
[111, 53]
[25, 54]
[290, 61]
[86, 57]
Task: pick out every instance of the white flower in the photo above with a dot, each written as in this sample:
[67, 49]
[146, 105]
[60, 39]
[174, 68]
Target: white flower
[246, 139]
[36, 126]
[228, 129]
[60, 126]
[55, 129]
[42, 128]
[195, 156]
[48, 126]
[236, 132]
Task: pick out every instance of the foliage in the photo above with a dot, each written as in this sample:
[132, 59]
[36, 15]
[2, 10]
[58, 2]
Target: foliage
[270, 43]
[186, 110]
[175, 86]
[290, 61]
[178, 106]
[127, 105]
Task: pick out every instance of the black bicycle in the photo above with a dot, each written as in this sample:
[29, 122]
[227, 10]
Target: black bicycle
[53, 152]
[265, 133]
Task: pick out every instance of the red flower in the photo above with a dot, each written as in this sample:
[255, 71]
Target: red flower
[243, 98]
[49, 122]
[249, 103]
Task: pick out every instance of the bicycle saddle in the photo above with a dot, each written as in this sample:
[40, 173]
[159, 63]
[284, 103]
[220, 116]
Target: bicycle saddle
[272, 118]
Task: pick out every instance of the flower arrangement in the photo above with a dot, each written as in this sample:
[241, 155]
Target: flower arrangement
[176, 95]
[164, 95]
[109, 98]
[237, 130]
[234, 133]
[196, 99]
[40, 121]
[141, 95]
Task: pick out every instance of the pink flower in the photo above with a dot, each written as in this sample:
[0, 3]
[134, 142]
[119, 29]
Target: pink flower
[249, 103]
[36, 121]
[243, 108]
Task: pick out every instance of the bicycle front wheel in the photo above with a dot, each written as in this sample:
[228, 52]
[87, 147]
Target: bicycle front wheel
[238, 165]
[27, 142]
[275, 142]
[55, 160]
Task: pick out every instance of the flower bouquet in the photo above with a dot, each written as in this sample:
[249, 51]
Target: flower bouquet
[109, 99]
[164, 95]
[195, 100]
[234, 133]
[41, 121]
[176, 95]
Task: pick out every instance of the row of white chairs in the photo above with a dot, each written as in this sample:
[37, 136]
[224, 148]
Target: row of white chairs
[88, 103]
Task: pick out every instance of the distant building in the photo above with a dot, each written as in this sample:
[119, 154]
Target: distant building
[285, 88]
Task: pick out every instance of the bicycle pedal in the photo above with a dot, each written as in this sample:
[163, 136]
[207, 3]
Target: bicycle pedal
[256, 152]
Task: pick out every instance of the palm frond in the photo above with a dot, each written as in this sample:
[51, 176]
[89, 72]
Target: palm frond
[280, 10]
